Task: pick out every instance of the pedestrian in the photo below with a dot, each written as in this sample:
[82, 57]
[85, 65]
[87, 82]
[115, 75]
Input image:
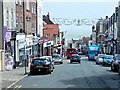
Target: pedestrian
[9, 63]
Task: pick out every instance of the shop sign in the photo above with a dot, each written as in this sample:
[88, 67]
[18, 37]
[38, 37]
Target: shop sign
[21, 44]
[49, 43]
[35, 40]
[29, 43]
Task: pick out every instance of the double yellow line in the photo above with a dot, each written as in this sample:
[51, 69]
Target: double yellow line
[16, 87]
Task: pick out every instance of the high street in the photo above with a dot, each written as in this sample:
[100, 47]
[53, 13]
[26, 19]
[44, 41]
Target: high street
[84, 75]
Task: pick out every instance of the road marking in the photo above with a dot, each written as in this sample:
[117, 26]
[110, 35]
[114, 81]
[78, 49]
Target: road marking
[16, 82]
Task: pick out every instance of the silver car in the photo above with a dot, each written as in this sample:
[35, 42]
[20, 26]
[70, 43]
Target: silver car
[100, 58]
[57, 58]
[51, 59]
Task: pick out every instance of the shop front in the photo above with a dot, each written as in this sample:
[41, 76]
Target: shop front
[28, 50]
[20, 50]
[47, 48]
[35, 46]
[21, 45]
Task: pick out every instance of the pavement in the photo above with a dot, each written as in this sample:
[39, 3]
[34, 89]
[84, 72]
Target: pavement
[9, 78]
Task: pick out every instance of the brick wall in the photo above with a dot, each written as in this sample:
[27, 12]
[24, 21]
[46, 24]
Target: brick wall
[50, 30]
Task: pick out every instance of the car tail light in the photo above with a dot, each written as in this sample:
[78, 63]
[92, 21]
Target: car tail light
[32, 65]
[46, 65]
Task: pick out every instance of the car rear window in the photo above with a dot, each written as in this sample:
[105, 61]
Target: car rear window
[75, 56]
[56, 56]
[37, 61]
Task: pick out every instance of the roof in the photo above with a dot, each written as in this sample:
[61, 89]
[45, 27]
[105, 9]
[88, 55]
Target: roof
[46, 19]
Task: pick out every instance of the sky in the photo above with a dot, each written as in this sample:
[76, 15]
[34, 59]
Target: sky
[78, 9]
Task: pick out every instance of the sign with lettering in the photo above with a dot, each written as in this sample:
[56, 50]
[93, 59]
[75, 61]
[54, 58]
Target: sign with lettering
[47, 44]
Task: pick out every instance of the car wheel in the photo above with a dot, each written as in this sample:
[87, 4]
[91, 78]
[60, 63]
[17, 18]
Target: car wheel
[61, 62]
[70, 62]
[52, 70]
[103, 64]
[31, 72]
[112, 69]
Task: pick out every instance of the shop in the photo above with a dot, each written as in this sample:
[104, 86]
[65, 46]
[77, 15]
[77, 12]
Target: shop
[20, 49]
[47, 48]
[28, 50]
[35, 46]
[58, 49]
[40, 47]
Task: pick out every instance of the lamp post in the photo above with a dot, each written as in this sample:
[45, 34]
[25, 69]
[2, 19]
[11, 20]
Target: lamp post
[25, 57]
[65, 37]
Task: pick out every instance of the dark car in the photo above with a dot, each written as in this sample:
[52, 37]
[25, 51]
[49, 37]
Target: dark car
[57, 58]
[119, 69]
[115, 63]
[41, 64]
[75, 58]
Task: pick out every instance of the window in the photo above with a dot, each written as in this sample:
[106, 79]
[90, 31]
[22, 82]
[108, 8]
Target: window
[17, 23]
[12, 16]
[7, 14]
[27, 5]
[21, 26]
[12, 19]
[16, 26]
[32, 8]
[7, 19]
[20, 2]
[21, 19]
[17, 19]
[16, 1]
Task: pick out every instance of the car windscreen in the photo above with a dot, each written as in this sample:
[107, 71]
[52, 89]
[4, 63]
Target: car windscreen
[108, 57]
[117, 57]
[101, 56]
[93, 52]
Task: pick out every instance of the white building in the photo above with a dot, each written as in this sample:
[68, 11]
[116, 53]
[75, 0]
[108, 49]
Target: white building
[39, 18]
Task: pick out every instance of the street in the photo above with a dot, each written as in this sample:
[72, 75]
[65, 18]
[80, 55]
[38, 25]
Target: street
[84, 75]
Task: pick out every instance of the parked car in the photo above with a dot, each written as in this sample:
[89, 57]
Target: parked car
[119, 69]
[100, 58]
[107, 60]
[115, 63]
[75, 58]
[41, 64]
[57, 58]
[51, 59]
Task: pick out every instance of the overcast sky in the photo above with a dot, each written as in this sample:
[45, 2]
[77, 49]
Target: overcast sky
[75, 9]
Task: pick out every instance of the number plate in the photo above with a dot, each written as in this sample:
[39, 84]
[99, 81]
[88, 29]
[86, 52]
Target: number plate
[39, 66]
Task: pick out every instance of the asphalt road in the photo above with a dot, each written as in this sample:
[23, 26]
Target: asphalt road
[84, 75]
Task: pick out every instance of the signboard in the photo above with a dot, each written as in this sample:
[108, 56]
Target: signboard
[47, 44]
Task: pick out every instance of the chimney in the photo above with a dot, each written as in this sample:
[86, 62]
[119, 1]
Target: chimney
[48, 15]
[106, 17]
